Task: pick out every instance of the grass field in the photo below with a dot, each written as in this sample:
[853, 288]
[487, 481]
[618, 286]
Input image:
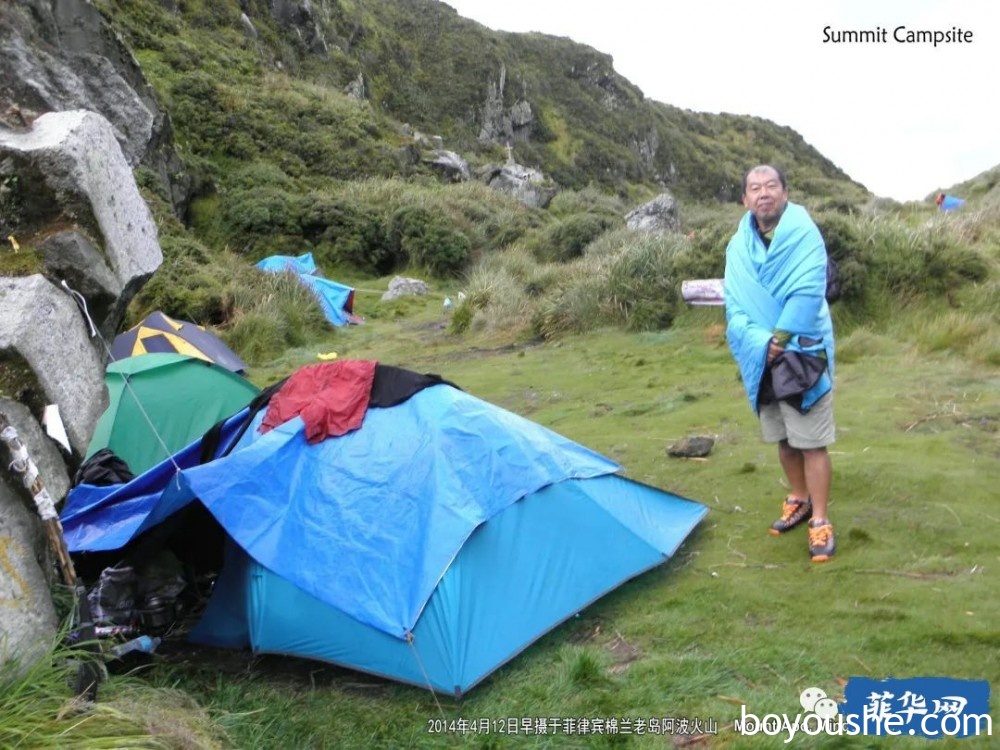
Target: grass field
[738, 617]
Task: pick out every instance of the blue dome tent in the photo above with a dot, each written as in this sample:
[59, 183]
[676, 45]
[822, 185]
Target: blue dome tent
[337, 300]
[430, 545]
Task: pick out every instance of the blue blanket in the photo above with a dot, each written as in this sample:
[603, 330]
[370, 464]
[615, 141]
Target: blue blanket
[780, 288]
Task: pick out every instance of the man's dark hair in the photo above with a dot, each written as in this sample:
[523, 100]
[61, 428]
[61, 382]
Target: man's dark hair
[781, 175]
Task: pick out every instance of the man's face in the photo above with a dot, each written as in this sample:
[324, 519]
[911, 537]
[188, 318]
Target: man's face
[765, 197]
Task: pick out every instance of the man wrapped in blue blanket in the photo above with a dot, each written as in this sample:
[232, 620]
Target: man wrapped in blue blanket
[781, 335]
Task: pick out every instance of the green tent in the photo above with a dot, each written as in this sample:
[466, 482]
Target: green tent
[160, 403]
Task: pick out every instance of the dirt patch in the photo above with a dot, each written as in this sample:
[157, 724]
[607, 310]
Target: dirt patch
[622, 652]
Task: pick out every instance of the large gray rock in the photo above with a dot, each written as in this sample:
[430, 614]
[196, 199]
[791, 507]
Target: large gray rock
[69, 168]
[46, 355]
[400, 286]
[71, 256]
[60, 55]
[452, 166]
[527, 185]
[27, 617]
[659, 215]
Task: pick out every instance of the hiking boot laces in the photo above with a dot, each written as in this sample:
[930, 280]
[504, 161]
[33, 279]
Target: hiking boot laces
[793, 512]
[821, 542]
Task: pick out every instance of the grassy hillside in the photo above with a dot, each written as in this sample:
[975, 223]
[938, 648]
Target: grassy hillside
[279, 98]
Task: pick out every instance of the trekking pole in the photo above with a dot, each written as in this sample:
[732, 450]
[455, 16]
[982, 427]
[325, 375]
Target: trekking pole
[22, 465]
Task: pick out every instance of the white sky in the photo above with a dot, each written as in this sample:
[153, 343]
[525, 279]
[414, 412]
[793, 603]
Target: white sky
[902, 119]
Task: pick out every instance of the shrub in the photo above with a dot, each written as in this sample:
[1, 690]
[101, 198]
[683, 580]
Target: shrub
[842, 237]
[564, 240]
[501, 225]
[185, 286]
[272, 312]
[574, 308]
[259, 174]
[429, 240]
[591, 200]
[260, 211]
[642, 284]
[906, 263]
[348, 233]
[461, 319]
[257, 335]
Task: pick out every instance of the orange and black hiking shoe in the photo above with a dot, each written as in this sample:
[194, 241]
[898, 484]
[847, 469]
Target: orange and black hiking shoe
[821, 543]
[793, 512]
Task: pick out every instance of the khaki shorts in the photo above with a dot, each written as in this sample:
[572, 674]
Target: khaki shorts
[814, 429]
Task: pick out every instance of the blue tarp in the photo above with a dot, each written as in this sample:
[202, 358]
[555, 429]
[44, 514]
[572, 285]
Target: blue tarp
[300, 264]
[336, 299]
[379, 550]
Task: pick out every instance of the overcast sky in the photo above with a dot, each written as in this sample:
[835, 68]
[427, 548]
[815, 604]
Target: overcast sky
[901, 118]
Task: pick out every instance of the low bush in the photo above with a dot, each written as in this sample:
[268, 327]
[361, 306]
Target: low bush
[572, 308]
[566, 239]
[429, 240]
[591, 200]
[187, 286]
[272, 313]
[346, 232]
[259, 211]
[642, 283]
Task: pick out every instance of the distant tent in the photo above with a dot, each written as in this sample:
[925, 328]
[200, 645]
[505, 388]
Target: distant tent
[160, 334]
[337, 300]
[430, 545]
[179, 396]
[949, 202]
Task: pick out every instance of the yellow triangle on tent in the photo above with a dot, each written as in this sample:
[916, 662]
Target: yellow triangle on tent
[179, 345]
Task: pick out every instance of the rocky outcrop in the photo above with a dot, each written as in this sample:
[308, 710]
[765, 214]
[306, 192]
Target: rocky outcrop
[659, 215]
[301, 17]
[501, 124]
[529, 186]
[46, 355]
[449, 164]
[69, 191]
[356, 88]
[599, 74]
[58, 55]
[69, 200]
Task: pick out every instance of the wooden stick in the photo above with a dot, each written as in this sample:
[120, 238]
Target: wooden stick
[89, 675]
[22, 465]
